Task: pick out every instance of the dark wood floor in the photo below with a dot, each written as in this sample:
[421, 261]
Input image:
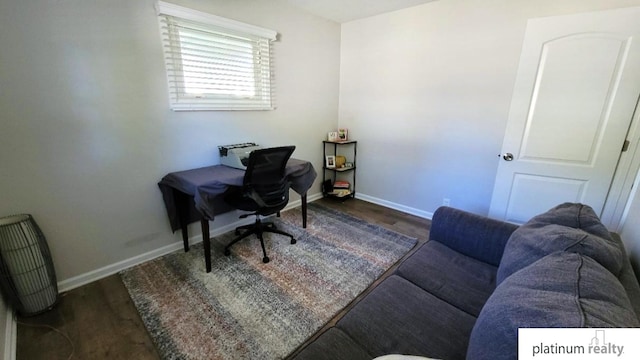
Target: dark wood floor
[99, 321]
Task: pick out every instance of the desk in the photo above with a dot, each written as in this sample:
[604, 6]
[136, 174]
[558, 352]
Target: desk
[197, 195]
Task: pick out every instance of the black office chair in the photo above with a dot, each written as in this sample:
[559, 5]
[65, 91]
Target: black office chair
[265, 191]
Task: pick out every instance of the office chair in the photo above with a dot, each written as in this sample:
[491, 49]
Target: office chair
[265, 191]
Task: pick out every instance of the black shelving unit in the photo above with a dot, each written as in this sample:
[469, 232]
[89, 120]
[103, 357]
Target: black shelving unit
[348, 149]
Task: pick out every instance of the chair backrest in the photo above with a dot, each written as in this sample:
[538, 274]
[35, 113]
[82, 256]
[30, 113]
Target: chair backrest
[264, 179]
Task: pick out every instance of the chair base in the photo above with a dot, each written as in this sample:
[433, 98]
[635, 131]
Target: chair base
[257, 228]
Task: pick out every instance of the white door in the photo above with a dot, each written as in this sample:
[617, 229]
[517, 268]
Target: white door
[576, 89]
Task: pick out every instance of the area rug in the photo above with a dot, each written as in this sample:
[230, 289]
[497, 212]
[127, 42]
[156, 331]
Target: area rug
[245, 309]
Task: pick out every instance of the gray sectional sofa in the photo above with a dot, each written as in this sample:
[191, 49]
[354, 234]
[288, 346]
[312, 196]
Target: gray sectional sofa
[466, 291]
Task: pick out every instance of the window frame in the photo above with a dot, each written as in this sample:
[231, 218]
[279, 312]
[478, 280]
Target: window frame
[173, 18]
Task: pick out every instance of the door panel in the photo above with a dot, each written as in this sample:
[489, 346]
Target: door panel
[535, 194]
[576, 89]
[569, 102]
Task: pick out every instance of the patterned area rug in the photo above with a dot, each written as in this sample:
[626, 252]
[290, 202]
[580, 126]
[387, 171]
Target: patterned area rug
[245, 309]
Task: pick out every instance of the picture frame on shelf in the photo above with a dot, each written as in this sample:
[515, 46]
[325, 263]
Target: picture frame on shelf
[332, 136]
[342, 134]
[330, 161]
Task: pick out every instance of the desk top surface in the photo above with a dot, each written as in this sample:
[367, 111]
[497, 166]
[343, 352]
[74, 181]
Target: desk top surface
[207, 183]
[188, 181]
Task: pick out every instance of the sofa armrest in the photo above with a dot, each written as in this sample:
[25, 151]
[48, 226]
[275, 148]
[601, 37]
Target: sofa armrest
[473, 235]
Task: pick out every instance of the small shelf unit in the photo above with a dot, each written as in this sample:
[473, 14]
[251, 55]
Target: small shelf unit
[348, 149]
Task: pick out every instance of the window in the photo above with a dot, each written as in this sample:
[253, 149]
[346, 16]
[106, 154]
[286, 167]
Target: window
[215, 63]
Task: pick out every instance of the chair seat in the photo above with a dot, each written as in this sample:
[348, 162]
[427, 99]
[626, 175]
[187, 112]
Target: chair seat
[235, 196]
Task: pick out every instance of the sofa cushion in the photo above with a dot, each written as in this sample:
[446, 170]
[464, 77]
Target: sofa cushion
[554, 231]
[398, 317]
[333, 344]
[563, 289]
[473, 235]
[577, 216]
[459, 280]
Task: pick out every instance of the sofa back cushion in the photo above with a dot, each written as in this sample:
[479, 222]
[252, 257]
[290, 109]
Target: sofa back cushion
[567, 227]
[577, 216]
[472, 235]
[563, 289]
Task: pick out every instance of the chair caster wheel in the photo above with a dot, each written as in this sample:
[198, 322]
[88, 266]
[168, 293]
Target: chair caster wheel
[265, 259]
[293, 241]
[227, 252]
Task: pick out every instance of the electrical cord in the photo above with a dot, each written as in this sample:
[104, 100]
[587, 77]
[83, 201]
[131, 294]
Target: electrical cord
[73, 348]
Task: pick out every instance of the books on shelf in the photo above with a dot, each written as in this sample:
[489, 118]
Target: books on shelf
[340, 184]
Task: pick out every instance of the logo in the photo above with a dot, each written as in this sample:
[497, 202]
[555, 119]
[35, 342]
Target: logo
[553, 343]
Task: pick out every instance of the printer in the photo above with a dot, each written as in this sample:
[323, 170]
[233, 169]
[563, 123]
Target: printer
[237, 155]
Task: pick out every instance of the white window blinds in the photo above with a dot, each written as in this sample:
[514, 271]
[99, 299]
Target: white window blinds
[215, 63]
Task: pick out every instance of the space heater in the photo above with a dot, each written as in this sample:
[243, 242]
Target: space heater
[27, 277]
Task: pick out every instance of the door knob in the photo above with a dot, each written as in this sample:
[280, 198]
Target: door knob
[508, 156]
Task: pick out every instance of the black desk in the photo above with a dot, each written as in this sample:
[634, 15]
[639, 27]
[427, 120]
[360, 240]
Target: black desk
[196, 195]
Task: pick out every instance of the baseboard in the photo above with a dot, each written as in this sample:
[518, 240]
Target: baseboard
[395, 206]
[108, 270]
[10, 335]
[310, 198]
[91, 276]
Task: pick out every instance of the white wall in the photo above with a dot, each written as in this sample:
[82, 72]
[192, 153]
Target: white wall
[426, 91]
[85, 129]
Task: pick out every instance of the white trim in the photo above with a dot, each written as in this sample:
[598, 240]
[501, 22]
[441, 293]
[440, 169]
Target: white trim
[632, 195]
[14, 337]
[94, 275]
[620, 194]
[10, 336]
[395, 206]
[310, 198]
[97, 274]
[108, 270]
[202, 17]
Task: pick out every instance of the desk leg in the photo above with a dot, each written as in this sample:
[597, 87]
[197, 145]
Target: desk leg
[304, 210]
[207, 243]
[185, 235]
[182, 208]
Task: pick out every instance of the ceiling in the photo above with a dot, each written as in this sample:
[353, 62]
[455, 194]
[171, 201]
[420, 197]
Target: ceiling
[346, 10]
